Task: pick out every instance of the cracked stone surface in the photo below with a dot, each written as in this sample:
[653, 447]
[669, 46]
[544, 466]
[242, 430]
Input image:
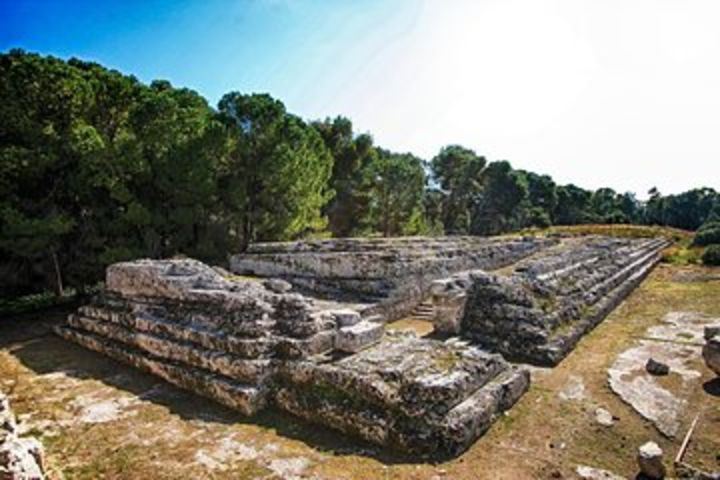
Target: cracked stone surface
[677, 341]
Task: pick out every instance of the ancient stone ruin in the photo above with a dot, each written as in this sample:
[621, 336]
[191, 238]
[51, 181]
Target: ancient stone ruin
[541, 310]
[300, 327]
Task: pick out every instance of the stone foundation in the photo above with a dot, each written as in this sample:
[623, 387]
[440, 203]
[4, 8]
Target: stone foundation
[393, 275]
[426, 397]
[248, 347]
[541, 310]
[287, 342]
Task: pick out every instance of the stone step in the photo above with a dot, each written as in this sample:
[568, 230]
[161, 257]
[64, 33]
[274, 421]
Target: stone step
[248, 399]
[240, 369]
[346, 317]
[356, 337]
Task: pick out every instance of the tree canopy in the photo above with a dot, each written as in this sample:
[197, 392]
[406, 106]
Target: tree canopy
[97, 167]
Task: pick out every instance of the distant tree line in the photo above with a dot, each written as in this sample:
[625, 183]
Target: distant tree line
[97, 167]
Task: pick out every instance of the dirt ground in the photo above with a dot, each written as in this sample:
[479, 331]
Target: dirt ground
[100, 419]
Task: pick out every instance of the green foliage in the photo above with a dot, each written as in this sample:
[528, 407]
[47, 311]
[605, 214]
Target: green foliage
[354, 158]
[712, 255]
[458, 171]
[708, 234]
[398, 194]
[497, 208]
[277, 171]
[573, 206]
[97, 167]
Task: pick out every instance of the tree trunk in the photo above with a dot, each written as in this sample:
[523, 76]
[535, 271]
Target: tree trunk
[59, 291]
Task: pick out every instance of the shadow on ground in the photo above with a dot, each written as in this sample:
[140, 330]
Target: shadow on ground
[34, 344]
[712, 387]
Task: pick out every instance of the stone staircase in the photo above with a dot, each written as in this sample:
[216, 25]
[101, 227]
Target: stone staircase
[424, 311]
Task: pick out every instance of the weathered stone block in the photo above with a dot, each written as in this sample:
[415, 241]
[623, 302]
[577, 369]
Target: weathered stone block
[358, 336]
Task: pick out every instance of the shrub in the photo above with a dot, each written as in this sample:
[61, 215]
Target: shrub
[682, 255]
[707, 236]
[712, 255]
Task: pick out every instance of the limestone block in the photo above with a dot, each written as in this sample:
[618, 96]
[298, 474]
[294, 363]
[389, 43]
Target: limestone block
[346, 317]
[356, 337]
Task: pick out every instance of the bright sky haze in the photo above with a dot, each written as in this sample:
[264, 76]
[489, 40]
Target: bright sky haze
[618, 93]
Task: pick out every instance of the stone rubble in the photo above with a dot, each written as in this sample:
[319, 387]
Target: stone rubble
[604, 418]
[20, 458]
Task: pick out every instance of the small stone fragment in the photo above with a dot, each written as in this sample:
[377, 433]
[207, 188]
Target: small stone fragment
[603, 417]
[711, 331]
[654, 367]
[650, 460]
[590, 473]
[276, 285]
[346, 317]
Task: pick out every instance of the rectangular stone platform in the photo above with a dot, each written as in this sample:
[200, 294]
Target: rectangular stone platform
[426, 397]
[250, 344]
[393, 274]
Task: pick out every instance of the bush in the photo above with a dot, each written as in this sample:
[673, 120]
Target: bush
[712, 255]
[707, 236]
[681, 255]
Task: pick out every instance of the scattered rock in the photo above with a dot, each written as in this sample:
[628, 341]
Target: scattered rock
[604, 418]
[359, 336]
[654, 367]
[711, 331]
[346, 317]
[590, 473]
[276, 285]
[574, 389]
[650, 460]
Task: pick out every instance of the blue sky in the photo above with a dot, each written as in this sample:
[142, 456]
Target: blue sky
[619, 93]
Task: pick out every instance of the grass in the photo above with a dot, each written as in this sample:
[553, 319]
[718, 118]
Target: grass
[35, 302]
[683, 254]
[620, 230]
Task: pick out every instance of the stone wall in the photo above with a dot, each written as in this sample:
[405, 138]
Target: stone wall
[392, 274]
[182, 321]
[265, 342]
